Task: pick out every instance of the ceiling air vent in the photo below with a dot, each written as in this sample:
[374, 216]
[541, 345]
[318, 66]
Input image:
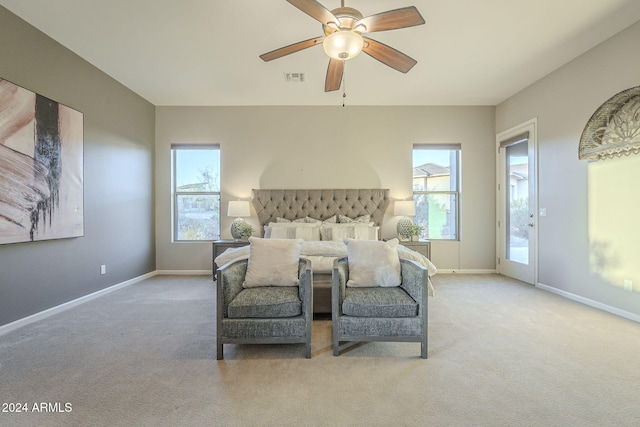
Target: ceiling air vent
[294, 77]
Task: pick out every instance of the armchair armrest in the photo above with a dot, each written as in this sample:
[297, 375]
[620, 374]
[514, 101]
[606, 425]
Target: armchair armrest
[340, 277]
[305, 287]
[415, 281]
[229, 284]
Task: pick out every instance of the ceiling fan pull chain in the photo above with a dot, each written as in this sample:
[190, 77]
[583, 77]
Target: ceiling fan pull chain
[344, 86]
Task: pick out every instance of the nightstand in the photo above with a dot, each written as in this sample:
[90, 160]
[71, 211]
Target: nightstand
[421, 246]
[220, 246]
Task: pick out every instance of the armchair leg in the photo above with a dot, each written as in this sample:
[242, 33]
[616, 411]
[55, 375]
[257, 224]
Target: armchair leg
[308, 350]
[219, 351]
[335, 335]
[423, 349]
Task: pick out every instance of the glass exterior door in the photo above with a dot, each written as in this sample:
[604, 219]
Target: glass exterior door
[516, 235]
[518, 215]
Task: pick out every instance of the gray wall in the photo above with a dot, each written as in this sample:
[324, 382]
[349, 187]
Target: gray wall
[118, 179]
[311, 147]
[588, 242]
[331, 147]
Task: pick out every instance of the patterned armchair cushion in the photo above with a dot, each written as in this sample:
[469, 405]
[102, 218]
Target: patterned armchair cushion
[378, 302]
[266, 302]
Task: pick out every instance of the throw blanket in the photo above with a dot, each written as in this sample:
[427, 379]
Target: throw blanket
[333, 249]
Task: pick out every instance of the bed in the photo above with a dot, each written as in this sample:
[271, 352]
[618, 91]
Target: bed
[323, 218]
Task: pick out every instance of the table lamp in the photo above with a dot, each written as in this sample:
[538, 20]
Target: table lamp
[239, 209]
[404, 209]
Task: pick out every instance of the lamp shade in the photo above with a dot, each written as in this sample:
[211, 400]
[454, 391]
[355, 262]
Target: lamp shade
[343, 44]
[238, 208]
[404, 208]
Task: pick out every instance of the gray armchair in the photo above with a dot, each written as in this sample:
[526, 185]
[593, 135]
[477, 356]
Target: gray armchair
[378, 313]
[263, 315]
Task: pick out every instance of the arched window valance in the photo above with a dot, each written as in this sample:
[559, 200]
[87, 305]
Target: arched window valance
[614, 129]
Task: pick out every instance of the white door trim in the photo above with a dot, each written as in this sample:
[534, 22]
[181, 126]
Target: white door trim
[532, 127]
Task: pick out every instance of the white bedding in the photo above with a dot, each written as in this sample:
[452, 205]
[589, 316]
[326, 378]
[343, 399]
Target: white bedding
[323, 253]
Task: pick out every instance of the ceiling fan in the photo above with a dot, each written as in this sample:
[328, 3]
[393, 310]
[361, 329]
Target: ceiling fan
[342, 39]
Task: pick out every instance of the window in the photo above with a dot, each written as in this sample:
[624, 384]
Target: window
[196, 192]
[436, 190]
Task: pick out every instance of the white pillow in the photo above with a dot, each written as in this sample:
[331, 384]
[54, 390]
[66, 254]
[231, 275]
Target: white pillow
[365, 232]
[304, 233]
[269, 228]
[373, 263]
[340, 232]
[272, 262]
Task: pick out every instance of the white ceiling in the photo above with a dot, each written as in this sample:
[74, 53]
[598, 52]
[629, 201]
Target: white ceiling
[205, 52]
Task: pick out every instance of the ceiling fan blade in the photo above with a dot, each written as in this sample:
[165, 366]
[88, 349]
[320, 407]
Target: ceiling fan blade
[334, 75]
[391, 20]
[316, 11]
[388, 55]
[292, 48]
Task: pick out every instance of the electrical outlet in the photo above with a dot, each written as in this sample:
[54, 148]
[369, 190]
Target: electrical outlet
[628, 285]
[103, 269]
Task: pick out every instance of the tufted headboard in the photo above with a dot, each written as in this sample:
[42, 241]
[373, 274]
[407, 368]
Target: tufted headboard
[320, 204]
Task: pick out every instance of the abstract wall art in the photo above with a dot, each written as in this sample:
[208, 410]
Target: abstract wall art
[41, 167]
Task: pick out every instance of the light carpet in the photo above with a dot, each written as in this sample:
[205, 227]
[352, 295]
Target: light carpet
[501, 353]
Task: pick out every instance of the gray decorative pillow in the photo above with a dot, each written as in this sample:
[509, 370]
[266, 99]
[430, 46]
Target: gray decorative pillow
[365, 219]
[272, 262]
[373, 263]
[331, 219]
[284, 220]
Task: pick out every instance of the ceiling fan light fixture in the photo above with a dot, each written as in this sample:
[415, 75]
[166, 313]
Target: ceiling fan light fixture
[342, 40]
[345, 44]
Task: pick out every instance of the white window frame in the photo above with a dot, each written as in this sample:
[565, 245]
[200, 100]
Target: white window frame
[176, 193]
[455, 170]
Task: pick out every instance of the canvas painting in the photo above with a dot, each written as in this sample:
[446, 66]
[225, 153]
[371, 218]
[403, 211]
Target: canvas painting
[41, 167]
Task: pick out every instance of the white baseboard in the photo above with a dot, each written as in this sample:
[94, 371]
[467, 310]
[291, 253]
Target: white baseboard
[73, 303]
[589, 302]
[466, 271]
